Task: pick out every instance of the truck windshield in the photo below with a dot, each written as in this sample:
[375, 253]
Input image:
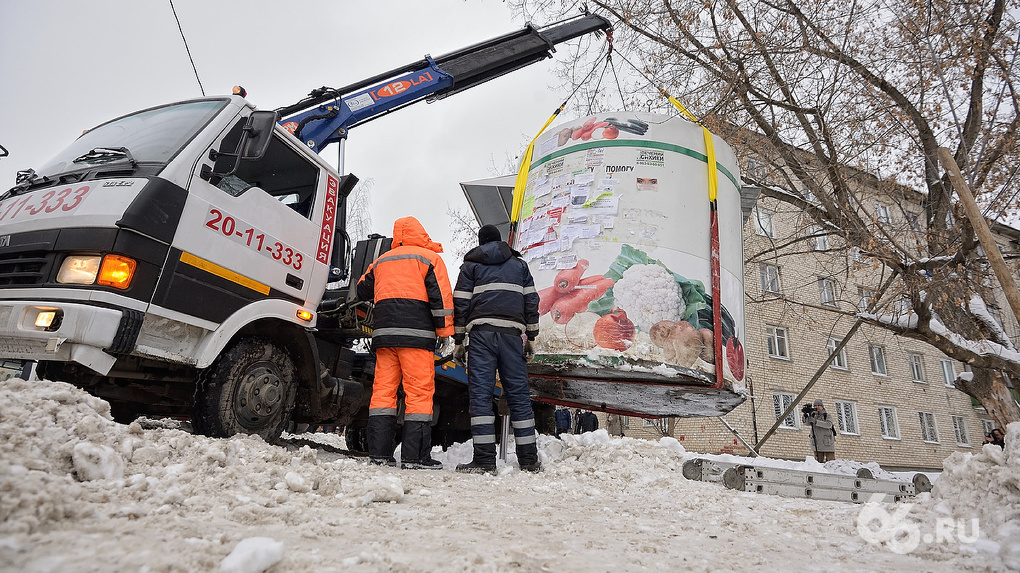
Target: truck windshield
[152, 136]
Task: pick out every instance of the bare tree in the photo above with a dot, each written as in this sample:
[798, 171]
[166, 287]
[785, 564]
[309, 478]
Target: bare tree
[843, 102]
[465, 231]
[359, 216]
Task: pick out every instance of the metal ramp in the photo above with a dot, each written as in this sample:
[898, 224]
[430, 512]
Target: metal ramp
[858, 488]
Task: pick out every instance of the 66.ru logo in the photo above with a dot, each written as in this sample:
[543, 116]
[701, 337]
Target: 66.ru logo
[892, 529]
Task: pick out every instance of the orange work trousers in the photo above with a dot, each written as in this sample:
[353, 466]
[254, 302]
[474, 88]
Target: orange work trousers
[417, 368]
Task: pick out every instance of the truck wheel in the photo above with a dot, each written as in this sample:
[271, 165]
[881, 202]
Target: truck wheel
[249, 389]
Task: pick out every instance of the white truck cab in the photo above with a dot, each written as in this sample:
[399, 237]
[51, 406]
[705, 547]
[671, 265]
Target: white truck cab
[164, 241]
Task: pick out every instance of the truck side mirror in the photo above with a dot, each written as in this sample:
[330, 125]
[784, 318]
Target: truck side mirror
[257, 134]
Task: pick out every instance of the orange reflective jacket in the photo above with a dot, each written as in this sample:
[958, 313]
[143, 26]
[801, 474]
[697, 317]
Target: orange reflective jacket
[411, 290]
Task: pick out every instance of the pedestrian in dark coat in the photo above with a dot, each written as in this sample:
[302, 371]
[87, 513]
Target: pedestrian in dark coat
[823, 431]
[495, 309]
[589, 421]
[563, 421]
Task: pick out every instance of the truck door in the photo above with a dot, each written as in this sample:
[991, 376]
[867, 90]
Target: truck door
[249, 235]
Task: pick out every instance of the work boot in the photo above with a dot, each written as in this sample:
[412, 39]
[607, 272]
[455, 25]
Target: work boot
[381, 431]
[484, 461]
[527, 457]
[416, 448]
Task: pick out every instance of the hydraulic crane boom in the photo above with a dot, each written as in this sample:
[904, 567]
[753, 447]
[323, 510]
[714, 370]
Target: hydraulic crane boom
[327, 113]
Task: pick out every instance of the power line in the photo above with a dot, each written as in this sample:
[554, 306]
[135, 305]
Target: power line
[174, 10]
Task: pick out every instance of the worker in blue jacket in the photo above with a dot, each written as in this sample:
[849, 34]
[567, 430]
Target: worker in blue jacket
[495, 307]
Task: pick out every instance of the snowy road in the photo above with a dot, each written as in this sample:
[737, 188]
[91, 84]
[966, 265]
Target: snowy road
[79, 492]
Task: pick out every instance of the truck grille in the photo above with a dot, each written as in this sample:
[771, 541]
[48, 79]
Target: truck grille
[26, 268]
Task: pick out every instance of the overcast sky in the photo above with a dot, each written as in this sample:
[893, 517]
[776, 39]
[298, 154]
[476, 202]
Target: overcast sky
[67, 66]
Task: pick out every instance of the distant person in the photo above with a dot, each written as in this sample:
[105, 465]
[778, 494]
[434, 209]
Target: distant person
[577, 421]
[495, 320]
[413, 311]
[563, 424]
[998, 438]
[614, 425]
[589, 422]
[823, 432]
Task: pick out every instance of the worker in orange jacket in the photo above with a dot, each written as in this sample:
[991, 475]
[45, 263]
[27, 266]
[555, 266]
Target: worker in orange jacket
[413, 301]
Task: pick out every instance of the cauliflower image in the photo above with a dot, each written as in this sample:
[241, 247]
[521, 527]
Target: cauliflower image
[649, 294]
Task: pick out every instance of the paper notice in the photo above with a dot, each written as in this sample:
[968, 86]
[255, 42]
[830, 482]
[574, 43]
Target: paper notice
[528, 207]
[590, 231]
[548, 263]
[584, 178]
[604, 205]
[566, 261]
[579, 195]
[561, 201]
[608, 182]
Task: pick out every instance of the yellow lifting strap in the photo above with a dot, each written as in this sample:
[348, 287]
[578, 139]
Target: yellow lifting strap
[522, 173]
[713, 168]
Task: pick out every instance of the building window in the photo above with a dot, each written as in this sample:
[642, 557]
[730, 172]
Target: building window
[865, 296]
[846, 415]
[877, 354]
[819, 239]
[948, 372]
[826, 291]
[763, 222]
[887, 420]
[928, 431]
[915, 221]
[882, 213]
[987, 426]
[755, 169]
[777, 342]
[916, 367]
[625, 422]
[857, 256]
[960, 428]
[770, 278]
[839, 362]
[780, 402]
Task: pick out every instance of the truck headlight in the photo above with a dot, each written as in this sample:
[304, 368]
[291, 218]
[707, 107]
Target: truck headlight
[112, 270]
[79, 270]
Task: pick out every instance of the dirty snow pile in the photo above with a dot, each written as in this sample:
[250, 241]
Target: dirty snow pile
[79, 492]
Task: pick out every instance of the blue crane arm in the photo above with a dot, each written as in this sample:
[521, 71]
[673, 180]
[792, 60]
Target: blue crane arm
[325, 116]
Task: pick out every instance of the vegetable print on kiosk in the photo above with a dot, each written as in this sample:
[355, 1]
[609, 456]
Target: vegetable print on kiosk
[615, 224]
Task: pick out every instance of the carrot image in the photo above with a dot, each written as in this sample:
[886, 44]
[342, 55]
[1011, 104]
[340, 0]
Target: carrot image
[567, 279]
[577, 301]
[546, 298]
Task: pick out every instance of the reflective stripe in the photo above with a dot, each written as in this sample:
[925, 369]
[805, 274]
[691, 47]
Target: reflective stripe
[525, 440]
[459, 329]
[382, 412]
[419, 258]
[486, 439]
[404, 332]
[532, 326]
[461, 294]
[496, 322]
[499, 286]
[529, 290]
[529, 423]
[444, 312]
[480, 420]
[417, 417]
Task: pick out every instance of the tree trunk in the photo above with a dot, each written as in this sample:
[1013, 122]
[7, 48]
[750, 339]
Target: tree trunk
[989, 388]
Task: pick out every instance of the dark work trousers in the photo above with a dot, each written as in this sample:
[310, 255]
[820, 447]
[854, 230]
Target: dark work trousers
[490, 352]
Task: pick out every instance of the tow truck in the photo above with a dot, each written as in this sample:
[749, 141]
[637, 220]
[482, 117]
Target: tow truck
[191, 259]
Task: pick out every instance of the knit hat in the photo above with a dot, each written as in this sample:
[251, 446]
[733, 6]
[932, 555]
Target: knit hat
[488, 234]
[818, 402]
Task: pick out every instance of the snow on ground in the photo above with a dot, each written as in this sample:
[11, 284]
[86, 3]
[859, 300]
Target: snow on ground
[79, 492]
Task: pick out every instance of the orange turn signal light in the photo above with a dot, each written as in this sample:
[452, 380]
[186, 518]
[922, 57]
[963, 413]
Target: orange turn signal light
[304, 315]
[116, 271]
